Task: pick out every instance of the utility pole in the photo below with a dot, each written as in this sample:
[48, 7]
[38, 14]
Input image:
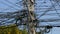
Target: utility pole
[29, 5]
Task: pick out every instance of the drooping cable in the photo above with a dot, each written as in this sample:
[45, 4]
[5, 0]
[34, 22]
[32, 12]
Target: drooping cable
[54, 8]
[8, 16]
[45, 12]
[8, 6]
[12, 3]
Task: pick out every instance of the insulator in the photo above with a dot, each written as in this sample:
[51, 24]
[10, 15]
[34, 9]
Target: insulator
[49, 27]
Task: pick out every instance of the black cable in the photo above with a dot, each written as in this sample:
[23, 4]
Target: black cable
[59, 5]
[47, 11]
[9, 14]
[4, 10]
[22, 24]
[44, 13]
[7, 19]
[12, 3]
[7, 9]
[8, 6]
[19, 2]
[10, 21]
[57, 2]
[52, 6]
[51, 14]
[55, 8]
[4, 20]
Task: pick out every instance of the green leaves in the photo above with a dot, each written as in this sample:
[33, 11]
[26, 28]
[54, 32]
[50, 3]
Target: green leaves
[24, 31]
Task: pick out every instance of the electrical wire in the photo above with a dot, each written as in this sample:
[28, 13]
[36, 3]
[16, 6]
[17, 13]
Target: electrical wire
[5, 20]
[10, 21]
[55, 8]
[8, 18]
[8, 6]
[45, 12]
[9, 14]
[52, 6]
[51, 14]
[12, 3]
[19, 2]
[7, 9]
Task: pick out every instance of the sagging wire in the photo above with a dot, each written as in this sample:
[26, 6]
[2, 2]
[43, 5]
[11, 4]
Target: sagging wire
[51, 14]
[10, 21]
[45, 12]
[4, 20]
[20, 2]
[8, 6]
[12, 3]
[54, 8]
[8, 9]
[8, 18]
[56, 0]
[12, 16]
[7, 13]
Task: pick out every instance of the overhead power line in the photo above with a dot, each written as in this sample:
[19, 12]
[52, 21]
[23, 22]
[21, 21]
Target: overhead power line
[12, 3]
[55, 8]
[8, 6]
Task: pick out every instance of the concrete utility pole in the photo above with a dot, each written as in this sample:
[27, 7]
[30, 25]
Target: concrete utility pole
[29, 5]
